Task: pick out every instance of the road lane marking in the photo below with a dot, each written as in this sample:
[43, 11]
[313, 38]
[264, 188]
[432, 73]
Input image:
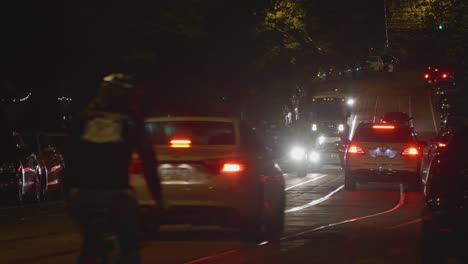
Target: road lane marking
[305, 182]
[433, 115]
[415, 221]
[314, 202]
[410, 112]
[375, 107]
[353, 127]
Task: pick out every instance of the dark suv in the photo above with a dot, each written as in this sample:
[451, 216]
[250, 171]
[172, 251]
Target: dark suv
[445, 214]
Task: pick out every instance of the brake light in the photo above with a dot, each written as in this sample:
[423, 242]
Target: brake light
[180, 143]
[436, 70]
[441, 145]
[411, 151]
[355, 149]
[426, 76]
[383, 126]
[232, 167]
[135, 166]
[444, 75]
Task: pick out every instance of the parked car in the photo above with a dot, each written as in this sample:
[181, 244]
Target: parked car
[50, 154]
[445, 212]
[20, 171]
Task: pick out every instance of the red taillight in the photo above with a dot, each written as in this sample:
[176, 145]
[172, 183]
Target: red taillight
[232, 167]
[383, 127]
[135, 166]
[441, 145]
[180, 143]
[436, 70]
[355, 149]
[426, 76]
[444, 75]
[411, 151]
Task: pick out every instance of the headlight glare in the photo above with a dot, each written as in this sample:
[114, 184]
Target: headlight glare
[314, 127]
[350, 102]
[341, 127]
[321, 140]
[314, 156]
[297, 153]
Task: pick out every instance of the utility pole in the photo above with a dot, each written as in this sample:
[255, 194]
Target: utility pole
[387, 44]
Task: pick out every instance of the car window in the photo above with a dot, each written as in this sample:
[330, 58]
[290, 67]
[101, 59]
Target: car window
[394, 135]
[198, 132]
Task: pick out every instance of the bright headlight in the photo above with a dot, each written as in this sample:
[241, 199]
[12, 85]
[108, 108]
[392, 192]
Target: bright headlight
[350, 101]
[321, 139]
[314, 127]
[341, 127]
[297, 153]
[314, 156]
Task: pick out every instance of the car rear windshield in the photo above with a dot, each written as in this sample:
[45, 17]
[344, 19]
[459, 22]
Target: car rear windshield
[198, 132]
[395, 135]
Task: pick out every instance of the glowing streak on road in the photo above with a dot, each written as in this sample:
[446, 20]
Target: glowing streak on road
[314, 202]
[353, 127]
[396, 207]
[305, 182]
[230, 252]
[415, 221]
[433, 115]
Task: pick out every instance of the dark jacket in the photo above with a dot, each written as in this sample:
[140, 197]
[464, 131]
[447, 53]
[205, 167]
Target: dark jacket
[100, 152]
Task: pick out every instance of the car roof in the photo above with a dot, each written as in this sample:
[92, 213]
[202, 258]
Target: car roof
[190, 118]
[395, 114]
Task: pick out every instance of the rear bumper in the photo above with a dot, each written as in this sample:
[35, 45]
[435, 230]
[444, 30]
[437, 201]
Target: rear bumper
[376, 175]
[201, 203]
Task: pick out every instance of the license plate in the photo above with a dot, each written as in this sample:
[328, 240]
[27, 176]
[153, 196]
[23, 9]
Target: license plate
[175, 174]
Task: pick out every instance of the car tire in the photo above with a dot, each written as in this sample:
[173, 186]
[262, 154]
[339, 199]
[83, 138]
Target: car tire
[349, 182]
[43, 184]
[274, 226]
[36, 197]
[19, 197]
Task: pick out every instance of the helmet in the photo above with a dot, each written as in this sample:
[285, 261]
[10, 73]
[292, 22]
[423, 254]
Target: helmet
[118, 80]
[117, 92]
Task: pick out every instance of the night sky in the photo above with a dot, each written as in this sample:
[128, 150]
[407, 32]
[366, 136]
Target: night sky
[52, 49]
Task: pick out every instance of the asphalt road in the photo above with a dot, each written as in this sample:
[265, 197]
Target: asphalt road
[379, 223]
